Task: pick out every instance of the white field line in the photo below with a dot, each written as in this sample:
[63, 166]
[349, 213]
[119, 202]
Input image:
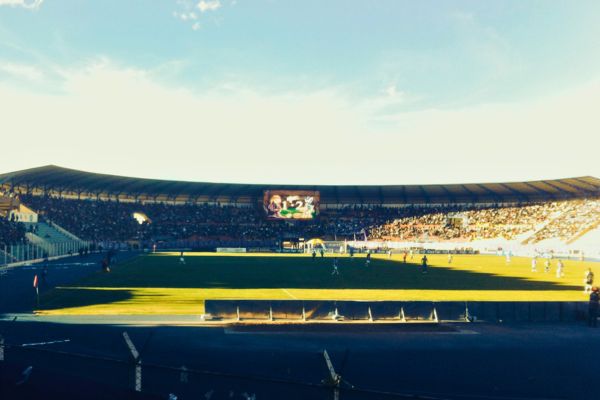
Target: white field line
[289, 294]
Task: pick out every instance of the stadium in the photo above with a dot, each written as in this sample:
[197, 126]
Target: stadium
[252, 200]
[485, 225]
[123, 250]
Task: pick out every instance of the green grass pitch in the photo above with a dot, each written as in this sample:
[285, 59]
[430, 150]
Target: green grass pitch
[158, 284]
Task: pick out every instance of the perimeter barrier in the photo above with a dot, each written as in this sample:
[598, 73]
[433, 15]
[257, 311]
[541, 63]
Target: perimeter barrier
[399, 311]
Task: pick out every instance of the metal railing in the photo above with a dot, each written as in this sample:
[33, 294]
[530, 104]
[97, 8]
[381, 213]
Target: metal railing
[13, 254]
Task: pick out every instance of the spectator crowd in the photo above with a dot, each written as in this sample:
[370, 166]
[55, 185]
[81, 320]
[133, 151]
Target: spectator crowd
[11, 233]
[563, 220]
[110, 220]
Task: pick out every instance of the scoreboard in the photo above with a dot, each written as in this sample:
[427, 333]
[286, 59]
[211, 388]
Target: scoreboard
[291, 204]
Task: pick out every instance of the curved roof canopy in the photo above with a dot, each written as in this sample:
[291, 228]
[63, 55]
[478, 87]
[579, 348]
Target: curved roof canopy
[56, 179]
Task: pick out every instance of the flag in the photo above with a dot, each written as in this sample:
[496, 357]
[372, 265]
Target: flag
[35, 281]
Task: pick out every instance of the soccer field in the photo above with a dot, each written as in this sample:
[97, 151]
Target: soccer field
[159, 284]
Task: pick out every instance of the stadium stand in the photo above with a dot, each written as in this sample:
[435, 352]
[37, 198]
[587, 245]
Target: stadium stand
[563, 220]
[100, 207]
[11, 232]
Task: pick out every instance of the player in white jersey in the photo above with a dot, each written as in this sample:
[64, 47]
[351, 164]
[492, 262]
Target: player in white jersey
[534, 264]
[181, 259]
[559, 269]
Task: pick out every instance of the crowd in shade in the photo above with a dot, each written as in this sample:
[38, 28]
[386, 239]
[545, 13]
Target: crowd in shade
[11, 233]
[110, 220]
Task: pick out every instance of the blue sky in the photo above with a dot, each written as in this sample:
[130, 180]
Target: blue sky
[303, 92]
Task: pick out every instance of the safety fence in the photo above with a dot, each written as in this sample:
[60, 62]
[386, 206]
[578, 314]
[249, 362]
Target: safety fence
[15, 254]
[33, 370]
[393, 311]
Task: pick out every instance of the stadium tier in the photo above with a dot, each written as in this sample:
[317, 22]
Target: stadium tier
[99, 207]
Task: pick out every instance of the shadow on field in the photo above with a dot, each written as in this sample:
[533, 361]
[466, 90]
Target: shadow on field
[303, 273]
[66, 297]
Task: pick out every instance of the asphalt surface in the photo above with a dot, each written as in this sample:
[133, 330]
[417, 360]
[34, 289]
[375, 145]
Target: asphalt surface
[466, 361]
[78, 357]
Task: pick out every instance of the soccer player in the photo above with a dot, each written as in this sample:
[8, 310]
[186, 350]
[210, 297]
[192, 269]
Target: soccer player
[335, 271]
[534, 264]
[588, 281]
[508, 257]
[547, 265]
[593, 307]
[559, 269]
[424, 264]
[322, 252]
[404, 256]
[449, 258]
[105, 265]
[368, 260]
[390, 253]
[314, 254]
[412, 255]
[181, 259]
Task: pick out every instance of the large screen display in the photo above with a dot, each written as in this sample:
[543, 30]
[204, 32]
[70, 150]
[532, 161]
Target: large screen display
[291, 204]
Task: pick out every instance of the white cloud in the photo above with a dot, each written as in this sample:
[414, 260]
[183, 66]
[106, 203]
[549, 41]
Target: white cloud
[189, 11]
[191, 16]
[392, 91]
[122, 120]
[210, 5]
[21, 71]
[31, 5]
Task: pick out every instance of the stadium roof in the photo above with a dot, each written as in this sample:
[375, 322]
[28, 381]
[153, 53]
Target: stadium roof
[67, 181]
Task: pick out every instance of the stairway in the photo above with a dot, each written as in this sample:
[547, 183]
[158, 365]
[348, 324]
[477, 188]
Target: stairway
[53, 239]
[51, 234]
